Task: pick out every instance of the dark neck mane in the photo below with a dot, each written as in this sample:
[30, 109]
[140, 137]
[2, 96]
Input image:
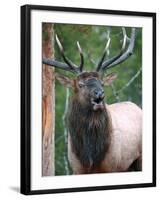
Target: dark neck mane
[90, 133]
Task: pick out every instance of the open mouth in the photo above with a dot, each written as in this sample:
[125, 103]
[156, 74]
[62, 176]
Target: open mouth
[97, 103]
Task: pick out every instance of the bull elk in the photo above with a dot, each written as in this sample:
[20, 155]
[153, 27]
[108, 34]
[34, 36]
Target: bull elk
[101, 138]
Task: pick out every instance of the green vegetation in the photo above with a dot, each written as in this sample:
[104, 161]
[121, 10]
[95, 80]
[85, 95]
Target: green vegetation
[127, 87]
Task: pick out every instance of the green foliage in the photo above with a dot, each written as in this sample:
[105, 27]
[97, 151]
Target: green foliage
[93, 40]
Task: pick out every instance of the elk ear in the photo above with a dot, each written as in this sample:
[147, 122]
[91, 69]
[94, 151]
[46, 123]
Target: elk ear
[64, 80]
[108, 79]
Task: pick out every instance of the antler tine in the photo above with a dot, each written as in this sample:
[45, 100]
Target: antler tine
[124, 38]
[128, 52]
[57, 64]
[81, 55]
[106, 63]
[68, 65]
[66, 60]
[104, 55]
[122, 55]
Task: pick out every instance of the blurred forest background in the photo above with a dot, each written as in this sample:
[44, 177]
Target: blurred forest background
[127, 87]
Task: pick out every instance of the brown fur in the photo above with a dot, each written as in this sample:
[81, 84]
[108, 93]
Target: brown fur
[90, 134]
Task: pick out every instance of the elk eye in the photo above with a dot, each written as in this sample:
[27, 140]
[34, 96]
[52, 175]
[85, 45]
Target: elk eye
[81, 84]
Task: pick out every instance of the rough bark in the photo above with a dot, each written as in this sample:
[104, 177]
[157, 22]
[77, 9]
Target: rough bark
[48, 103]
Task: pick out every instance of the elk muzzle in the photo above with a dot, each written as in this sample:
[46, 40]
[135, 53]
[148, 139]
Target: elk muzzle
[97, 99]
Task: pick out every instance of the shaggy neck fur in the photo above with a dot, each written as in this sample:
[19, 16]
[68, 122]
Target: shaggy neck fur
[90, 133]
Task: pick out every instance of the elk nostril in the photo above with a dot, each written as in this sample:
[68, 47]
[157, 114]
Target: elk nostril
[96, 93]
[99, 94]
[102, 92]
[102, 95]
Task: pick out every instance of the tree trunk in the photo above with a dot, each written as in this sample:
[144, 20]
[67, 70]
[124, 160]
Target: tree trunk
[48, 103]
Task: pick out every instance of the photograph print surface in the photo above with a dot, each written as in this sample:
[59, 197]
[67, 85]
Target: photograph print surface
[91, 99]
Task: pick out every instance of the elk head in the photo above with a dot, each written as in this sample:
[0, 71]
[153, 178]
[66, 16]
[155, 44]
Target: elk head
[89, 86]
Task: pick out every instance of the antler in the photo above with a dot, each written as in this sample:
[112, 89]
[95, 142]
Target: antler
[68, 65]
[122, 56]
[102, 65]
[82, 58]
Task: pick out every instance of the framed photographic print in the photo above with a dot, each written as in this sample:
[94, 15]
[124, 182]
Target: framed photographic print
[88, 99]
